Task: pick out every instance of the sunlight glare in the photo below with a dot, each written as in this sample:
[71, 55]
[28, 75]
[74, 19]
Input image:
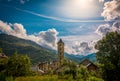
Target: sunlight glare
[83, 1]
[79, 8]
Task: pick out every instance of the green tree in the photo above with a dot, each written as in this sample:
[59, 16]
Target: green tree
[3, 64]
[18, 65]
[69, 68]
[1, 50]
[109, 56]
[82, 73]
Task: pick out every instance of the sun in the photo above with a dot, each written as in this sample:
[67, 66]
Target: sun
[83, 1]
[79, 9]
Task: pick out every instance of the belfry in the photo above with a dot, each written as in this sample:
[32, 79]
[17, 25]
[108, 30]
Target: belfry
[60, 51]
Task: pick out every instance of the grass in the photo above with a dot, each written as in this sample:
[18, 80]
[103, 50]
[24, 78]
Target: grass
[53, 78]
[40, 78]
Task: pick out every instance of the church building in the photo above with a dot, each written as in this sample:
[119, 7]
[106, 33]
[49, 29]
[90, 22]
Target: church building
[44, 67]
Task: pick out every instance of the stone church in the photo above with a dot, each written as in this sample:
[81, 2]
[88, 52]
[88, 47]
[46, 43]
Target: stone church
[45, 67]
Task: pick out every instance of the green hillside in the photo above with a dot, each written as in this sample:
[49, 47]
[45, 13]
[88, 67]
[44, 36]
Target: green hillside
[11, 44]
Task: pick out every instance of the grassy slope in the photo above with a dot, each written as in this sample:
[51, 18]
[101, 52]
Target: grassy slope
[11, 44]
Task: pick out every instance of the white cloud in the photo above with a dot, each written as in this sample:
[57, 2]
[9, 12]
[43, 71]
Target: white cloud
[111, 10]
[116, 26]
[13, 29]
[103, 29]
[83, 47]
[75, 44]
[45, 38]
[19, 30]
[49, 37]
[4, 27]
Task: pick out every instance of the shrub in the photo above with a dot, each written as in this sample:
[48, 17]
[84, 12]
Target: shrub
[9, 78]
[18, 65]
[94, 79]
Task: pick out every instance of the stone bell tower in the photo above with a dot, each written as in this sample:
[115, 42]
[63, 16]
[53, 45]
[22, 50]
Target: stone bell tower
[60, 51]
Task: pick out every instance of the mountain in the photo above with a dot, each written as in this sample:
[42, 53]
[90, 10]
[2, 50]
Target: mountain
[11, 44]
[79, 58]
[37, 53]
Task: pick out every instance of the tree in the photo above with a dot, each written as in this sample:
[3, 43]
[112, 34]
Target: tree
[109, 56]
[1, 50]
[18, 65]
[3, 62]
[69, 68]
[83, 73]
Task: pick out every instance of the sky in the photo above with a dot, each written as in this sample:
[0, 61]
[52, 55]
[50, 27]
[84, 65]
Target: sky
[80, 23]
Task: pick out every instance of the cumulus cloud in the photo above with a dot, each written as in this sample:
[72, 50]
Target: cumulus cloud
[103, 29]
[4, 27]
[19, 29]
[111, 10]
[49, 37]
[13, 29]
[116, 26]
[80, 47]
[73, 44]
[83, 47]
[45, 38]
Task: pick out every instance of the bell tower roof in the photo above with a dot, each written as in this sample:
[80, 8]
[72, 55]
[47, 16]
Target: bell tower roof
[60, 41]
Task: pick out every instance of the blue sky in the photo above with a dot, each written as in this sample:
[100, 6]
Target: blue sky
[14, 11]
[75, 20]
